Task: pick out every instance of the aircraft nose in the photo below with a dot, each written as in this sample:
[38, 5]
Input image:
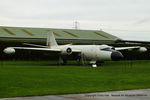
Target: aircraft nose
[116, 55]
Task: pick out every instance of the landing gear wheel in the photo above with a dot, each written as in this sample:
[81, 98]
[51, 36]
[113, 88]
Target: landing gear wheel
[94, 65]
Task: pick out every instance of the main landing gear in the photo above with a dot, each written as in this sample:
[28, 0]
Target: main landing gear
[62, 61]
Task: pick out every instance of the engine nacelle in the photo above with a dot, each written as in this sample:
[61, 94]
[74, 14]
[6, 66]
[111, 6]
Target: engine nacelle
[9, 50]
[66, 51]
[142, 49]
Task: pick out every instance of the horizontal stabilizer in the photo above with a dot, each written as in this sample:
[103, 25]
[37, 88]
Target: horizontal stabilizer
[34, 45]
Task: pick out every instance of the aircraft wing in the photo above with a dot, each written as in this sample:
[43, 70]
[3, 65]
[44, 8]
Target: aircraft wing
[51, 43]
[11, 50]
[126, 48]
[131, 41]
[43, 49]
[38, 49]
[136, 48]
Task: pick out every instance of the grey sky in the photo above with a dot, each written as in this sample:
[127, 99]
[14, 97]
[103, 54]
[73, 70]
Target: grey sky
[128, 19]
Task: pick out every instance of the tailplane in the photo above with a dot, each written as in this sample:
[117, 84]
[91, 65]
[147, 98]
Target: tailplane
[51, 42]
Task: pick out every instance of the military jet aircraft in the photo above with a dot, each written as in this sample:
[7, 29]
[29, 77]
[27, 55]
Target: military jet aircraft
[92, 53]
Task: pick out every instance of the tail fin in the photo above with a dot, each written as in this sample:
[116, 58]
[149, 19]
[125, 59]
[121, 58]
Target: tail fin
[51, 42]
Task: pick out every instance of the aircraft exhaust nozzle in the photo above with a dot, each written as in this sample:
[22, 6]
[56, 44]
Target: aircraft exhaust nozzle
[116, 55]
[9, 50]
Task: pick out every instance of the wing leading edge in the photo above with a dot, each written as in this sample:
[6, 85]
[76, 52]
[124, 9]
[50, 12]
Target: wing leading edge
[11, 50]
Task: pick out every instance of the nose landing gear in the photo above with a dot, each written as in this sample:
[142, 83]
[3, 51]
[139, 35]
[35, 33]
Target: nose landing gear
[94, 65]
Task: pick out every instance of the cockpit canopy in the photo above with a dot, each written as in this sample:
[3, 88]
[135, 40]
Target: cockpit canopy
[106, 48]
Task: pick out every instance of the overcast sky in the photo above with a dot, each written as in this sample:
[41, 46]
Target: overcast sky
[127, 19]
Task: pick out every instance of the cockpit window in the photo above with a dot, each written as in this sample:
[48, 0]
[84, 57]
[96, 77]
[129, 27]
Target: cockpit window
[105, 48]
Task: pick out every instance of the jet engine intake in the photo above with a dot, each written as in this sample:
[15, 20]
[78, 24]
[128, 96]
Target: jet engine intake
[66, 51]
[69, 51]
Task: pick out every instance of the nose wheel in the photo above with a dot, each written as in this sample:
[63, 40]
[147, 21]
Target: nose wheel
[94, 65]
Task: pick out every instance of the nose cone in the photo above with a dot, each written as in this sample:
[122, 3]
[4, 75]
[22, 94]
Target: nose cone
[116, 55]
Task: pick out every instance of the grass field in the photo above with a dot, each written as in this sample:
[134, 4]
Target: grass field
[28, 78]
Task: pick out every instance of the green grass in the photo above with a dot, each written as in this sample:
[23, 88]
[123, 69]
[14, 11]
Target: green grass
[29, 78]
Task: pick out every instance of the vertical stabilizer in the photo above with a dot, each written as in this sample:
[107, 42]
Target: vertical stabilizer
[51, 42]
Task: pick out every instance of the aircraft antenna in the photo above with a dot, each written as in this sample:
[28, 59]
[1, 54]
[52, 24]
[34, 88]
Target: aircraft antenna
[76, 25]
